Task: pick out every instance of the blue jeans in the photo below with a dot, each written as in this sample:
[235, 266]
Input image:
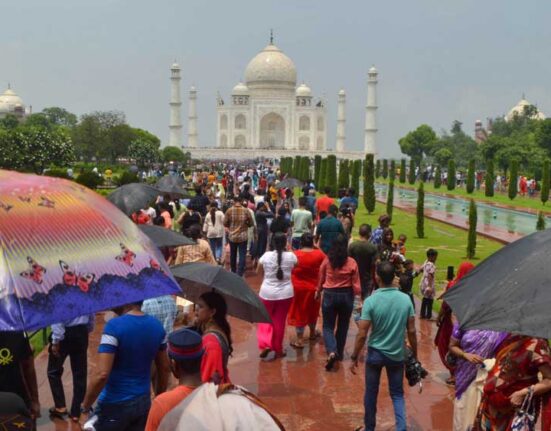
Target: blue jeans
[395, 374]
[125, 416]
[216, 248]
[336, 310]
[234, 248]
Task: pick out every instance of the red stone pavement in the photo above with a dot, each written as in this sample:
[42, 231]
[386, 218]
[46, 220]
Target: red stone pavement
[299, 390]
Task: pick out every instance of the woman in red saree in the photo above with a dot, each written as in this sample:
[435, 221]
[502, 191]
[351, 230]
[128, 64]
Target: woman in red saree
[305, 308]
[444, 321]
[518, 362]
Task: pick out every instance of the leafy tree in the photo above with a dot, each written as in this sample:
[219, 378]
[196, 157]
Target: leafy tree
[438, 177]
[173, 154]
[540, 224]
[390, 198]
[392, 170]
[411, 176]
[489, 179]
[513, 177]
[126, 177]
[470, 176]
[356, 174]
[403, 171]
[317, 168]
[143, 152]
[543, 135]
[369, 184]
[421, 210]
[456, 145]
[344, 174]
[378, 169]
[331, 177]
[471, 237]
[418, 143]
[385, 169]
[9, 122]
[38, 120]
[545, 179]
[323, 174]
[451, 175]
[60, 116]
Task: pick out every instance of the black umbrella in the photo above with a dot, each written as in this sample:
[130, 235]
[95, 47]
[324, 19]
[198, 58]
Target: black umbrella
[133, 197]
[197, 278]
[171, 180]
[289, 183]
[509, 291]
[163, 237]
[174, 189]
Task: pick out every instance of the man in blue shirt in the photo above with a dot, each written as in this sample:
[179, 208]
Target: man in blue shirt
[128, 346]
[328, 229]
[388, 312]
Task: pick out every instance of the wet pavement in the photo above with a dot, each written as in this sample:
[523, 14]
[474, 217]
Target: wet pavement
[298, 389]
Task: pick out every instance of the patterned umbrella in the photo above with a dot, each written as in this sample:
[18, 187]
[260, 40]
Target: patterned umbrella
[67, 251]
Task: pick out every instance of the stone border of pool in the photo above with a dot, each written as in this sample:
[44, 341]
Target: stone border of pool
[485, 230]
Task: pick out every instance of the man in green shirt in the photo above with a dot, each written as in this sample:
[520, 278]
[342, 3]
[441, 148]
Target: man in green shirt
[301, 222]
[388, 312]
[328, 229]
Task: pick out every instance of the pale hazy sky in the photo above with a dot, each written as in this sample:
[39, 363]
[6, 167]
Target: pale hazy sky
[439, 60]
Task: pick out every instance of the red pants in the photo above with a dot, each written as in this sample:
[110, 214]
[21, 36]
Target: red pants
[270, 335]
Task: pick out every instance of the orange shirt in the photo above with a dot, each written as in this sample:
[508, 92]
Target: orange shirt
[164, 403]
[323, 204]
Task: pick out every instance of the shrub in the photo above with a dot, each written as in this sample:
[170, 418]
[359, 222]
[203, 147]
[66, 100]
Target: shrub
[421, 211]
[369, 184]
[403, 171]
[513, 177]
[90, 179]
[471, 238]
[470, 176]
[411, 176]
[544, 195]
[438, 177]
[489, 179]
[385, 169]
[451, 175]
[540, 225]
[126, 178]
[390, 198]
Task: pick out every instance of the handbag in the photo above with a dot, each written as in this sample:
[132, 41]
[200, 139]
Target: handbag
[525, 418]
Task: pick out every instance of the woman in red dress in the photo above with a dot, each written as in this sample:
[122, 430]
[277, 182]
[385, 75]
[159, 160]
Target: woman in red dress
[444, 321]
[305, 308]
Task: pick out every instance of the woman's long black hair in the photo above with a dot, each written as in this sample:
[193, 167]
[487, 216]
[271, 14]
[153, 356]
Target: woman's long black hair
[338, 253]
[280, 243]
[217, 302]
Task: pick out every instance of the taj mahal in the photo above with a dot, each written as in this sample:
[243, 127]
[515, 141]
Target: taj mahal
[269, 115]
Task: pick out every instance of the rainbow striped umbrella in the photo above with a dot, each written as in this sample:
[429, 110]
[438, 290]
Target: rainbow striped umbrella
[67, 251]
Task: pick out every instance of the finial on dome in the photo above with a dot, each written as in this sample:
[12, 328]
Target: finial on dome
[271, 36]
[9, 85]
[523, 96]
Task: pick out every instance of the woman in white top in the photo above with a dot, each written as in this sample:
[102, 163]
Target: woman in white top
[214, 230]
[276, 292]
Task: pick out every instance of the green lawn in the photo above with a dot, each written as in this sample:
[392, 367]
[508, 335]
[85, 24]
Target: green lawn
[498, 198]
[37, 341]
[451, 242]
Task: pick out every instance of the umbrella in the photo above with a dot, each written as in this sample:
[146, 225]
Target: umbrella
[171, 180]
[133, 197]
[163, 237]
[289, 183]
[509, 291]
[173, 184]
[67, 251]
[199, 277]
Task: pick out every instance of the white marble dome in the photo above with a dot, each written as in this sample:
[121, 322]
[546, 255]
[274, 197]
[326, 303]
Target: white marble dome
[9, 101]
[240, 90]
[271, 65]
[518, 109]
[303, 91]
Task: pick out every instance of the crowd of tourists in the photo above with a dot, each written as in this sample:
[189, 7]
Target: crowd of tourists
[313, 260]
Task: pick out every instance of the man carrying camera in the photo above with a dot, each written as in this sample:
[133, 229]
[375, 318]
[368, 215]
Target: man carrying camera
[388, 312]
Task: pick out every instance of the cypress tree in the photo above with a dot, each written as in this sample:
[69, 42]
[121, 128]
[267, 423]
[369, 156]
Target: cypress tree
[513, 176]
[369, 184]
[489, 179]
[344, 174]
[317, 169]
[411, 176]
[470, 176]
[451, 175]
[323, 174]
[378, 169]
[392, 170]
[356, 173]
[385, 169]
[438, 177]
[544, 193]
[305, 168]
[331, 176]
[390, 198]
[421, 211]
[540, 225]
[402, 171]
[296, 167]
[471, 238]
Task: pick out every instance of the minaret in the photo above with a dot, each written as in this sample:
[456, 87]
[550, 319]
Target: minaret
[192, 119]
[370, 141]
[341, 119]
[175, 137]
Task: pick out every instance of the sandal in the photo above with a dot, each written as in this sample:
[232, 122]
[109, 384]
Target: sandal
[55, 413]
